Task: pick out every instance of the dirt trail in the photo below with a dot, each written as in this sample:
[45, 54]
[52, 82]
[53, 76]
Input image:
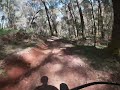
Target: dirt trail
[25, 68]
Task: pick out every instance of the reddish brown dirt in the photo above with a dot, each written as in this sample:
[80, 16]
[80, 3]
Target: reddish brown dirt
[25, 68]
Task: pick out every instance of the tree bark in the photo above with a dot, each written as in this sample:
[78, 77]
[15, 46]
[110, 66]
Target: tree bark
[54, 23]
[72, 17]
[34, 17]
[46, 9]
[81, 17]
[100, 20]
[94, 24]
[114, 45]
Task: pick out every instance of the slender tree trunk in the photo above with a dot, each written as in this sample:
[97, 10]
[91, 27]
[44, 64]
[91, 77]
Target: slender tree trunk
[34, 17]
[54, 22]
[114, 46]
[48, 18]
[82, 19]
[55, 27]
[74, 20]
[72, 17]
[100, 20]
[8, 14]
[98, 17]
[94, 24]
[67, 15]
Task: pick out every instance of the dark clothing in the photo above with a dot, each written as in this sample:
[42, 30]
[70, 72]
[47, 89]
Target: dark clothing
[46, 87]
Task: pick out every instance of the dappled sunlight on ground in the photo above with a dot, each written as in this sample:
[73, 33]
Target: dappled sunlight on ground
[63, 63]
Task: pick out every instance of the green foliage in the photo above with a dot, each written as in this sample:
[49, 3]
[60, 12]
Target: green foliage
[4, 31]
[7, 31]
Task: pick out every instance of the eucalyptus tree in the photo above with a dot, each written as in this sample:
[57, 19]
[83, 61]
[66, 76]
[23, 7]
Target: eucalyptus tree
[54, 13]
[81, 18]
[100, 19]
[8, 9]
[94, 23]
[70, 17]
[115, 41]
[11, 10]
[48, 17]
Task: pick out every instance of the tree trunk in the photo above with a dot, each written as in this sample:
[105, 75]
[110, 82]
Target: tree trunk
[81, 17]
[114, 46]
[46, 9]
[34, 17]
[100, 20]
[54, 23]
[72, 18]
[94, 24]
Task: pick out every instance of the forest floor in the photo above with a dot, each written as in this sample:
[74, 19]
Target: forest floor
[61, 60]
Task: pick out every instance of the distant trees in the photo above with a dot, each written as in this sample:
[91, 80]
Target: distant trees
[73, 19]
[2, 21]
[7, 7]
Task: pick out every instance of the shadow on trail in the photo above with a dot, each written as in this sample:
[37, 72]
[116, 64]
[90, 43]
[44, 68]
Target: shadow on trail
[45, 86]
[99, 59]
[68, 67]
[14, 67]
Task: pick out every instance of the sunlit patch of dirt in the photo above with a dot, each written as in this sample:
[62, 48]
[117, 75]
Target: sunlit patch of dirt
[32, 56]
